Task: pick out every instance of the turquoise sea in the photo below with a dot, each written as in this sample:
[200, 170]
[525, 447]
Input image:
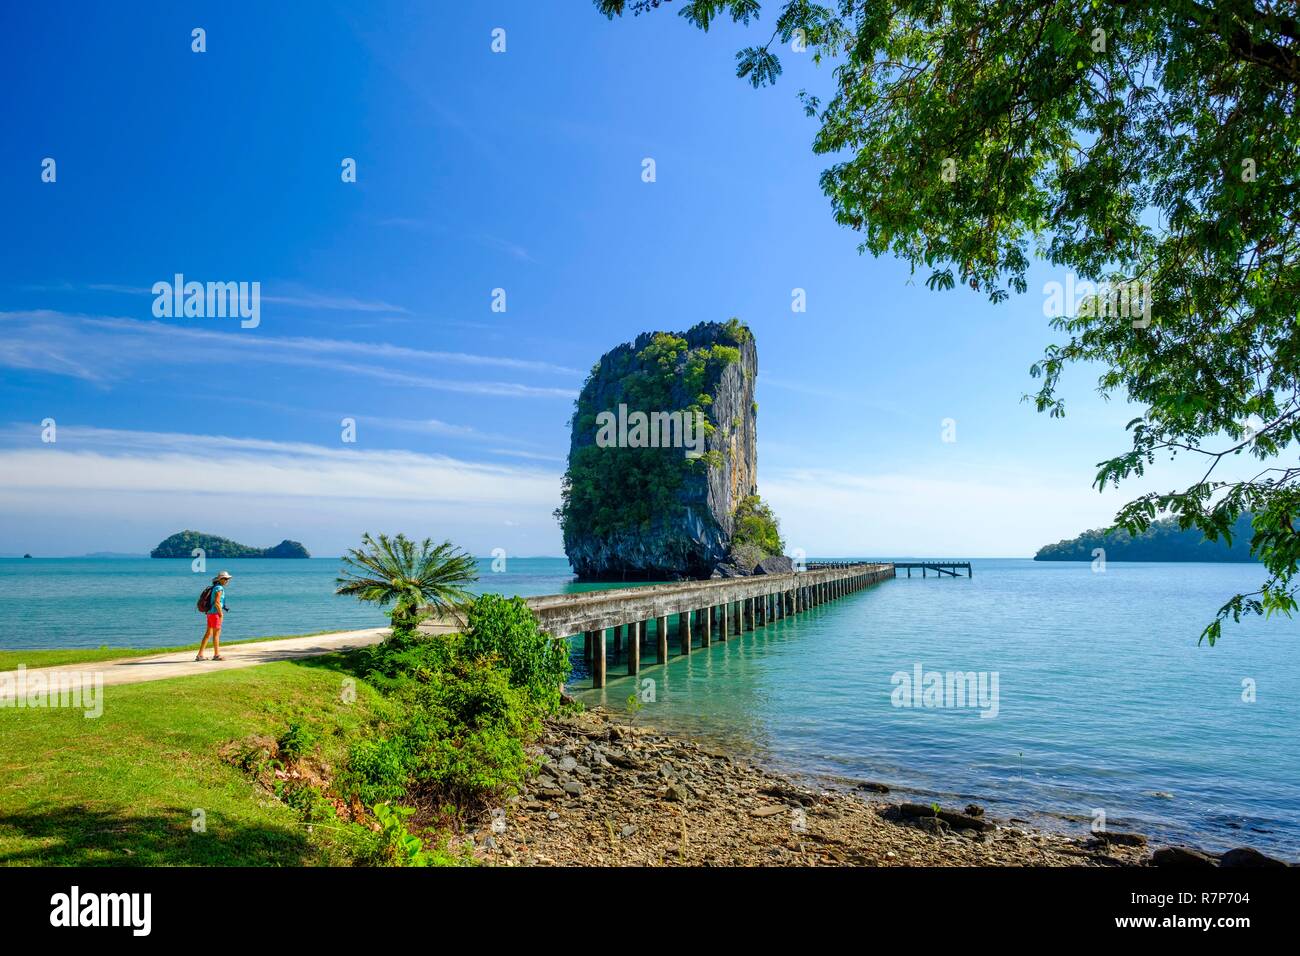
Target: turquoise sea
[143, 602]
[1105, 701]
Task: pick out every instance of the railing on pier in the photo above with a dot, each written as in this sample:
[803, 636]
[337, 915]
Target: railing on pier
[942, 567]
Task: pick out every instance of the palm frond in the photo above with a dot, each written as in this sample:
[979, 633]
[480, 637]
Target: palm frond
[398, 571]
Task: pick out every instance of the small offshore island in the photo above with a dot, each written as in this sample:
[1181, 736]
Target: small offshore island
[1163, 541]
[183, 543]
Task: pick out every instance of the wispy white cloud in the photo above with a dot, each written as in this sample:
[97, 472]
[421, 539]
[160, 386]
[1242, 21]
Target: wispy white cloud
[103, 460]
[99, 487]
[434, 426]
[336, 303]
[301, 299]
[818, 391]
[39, 352]
[102, 349]
[529, 455]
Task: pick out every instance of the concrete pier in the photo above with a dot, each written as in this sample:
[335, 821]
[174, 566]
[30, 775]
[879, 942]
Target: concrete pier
[725, 607]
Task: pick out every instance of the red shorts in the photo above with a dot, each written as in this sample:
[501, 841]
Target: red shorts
[214, 621]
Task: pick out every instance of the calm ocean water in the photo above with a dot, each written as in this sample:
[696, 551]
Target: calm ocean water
[143, 602]
[1105, 701]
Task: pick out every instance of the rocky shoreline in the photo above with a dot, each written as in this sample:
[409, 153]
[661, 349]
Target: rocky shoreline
[614, 793]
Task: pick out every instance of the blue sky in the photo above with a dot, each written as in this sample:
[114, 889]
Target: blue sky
[475, 171]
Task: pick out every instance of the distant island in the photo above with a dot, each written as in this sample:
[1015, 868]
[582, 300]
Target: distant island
[183, 543]
[1163, 541]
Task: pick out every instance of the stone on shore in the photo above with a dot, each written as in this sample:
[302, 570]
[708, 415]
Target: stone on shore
[1245, 856]
[1181, 857]
[1122, 839]
[871, 786]
[960, 821]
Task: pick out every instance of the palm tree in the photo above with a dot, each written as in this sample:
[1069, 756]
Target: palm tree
[397, 571]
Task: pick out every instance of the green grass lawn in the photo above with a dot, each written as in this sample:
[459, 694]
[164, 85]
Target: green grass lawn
[9, 660]
[122, 789]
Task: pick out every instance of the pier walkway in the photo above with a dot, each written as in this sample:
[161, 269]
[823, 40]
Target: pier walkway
[693, 613]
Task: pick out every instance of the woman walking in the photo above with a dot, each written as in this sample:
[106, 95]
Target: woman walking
[213, 602]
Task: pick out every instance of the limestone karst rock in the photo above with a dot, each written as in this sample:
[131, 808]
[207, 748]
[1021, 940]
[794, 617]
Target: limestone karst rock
[658, 513]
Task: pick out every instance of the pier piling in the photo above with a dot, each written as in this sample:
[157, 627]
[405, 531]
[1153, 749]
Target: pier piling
[634, 647]
[597, 657]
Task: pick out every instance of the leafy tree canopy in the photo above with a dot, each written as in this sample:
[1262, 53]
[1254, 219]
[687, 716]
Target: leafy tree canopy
[1126, 142]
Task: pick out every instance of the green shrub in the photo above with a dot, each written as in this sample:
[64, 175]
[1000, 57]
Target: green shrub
[398, 845]
[297, 741]
[506, 629]
[468, 730]
[460, 735]
[407, 656]
[757, 526]
[377, 769]
[736, 331]
[724, 354]
[393, 844]
[308, 800]
[453, 726]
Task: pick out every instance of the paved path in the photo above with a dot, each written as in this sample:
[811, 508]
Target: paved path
[135, 670]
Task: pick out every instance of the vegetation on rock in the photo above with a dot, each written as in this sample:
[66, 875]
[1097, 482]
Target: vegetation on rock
[611, 490]
[756, 525]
